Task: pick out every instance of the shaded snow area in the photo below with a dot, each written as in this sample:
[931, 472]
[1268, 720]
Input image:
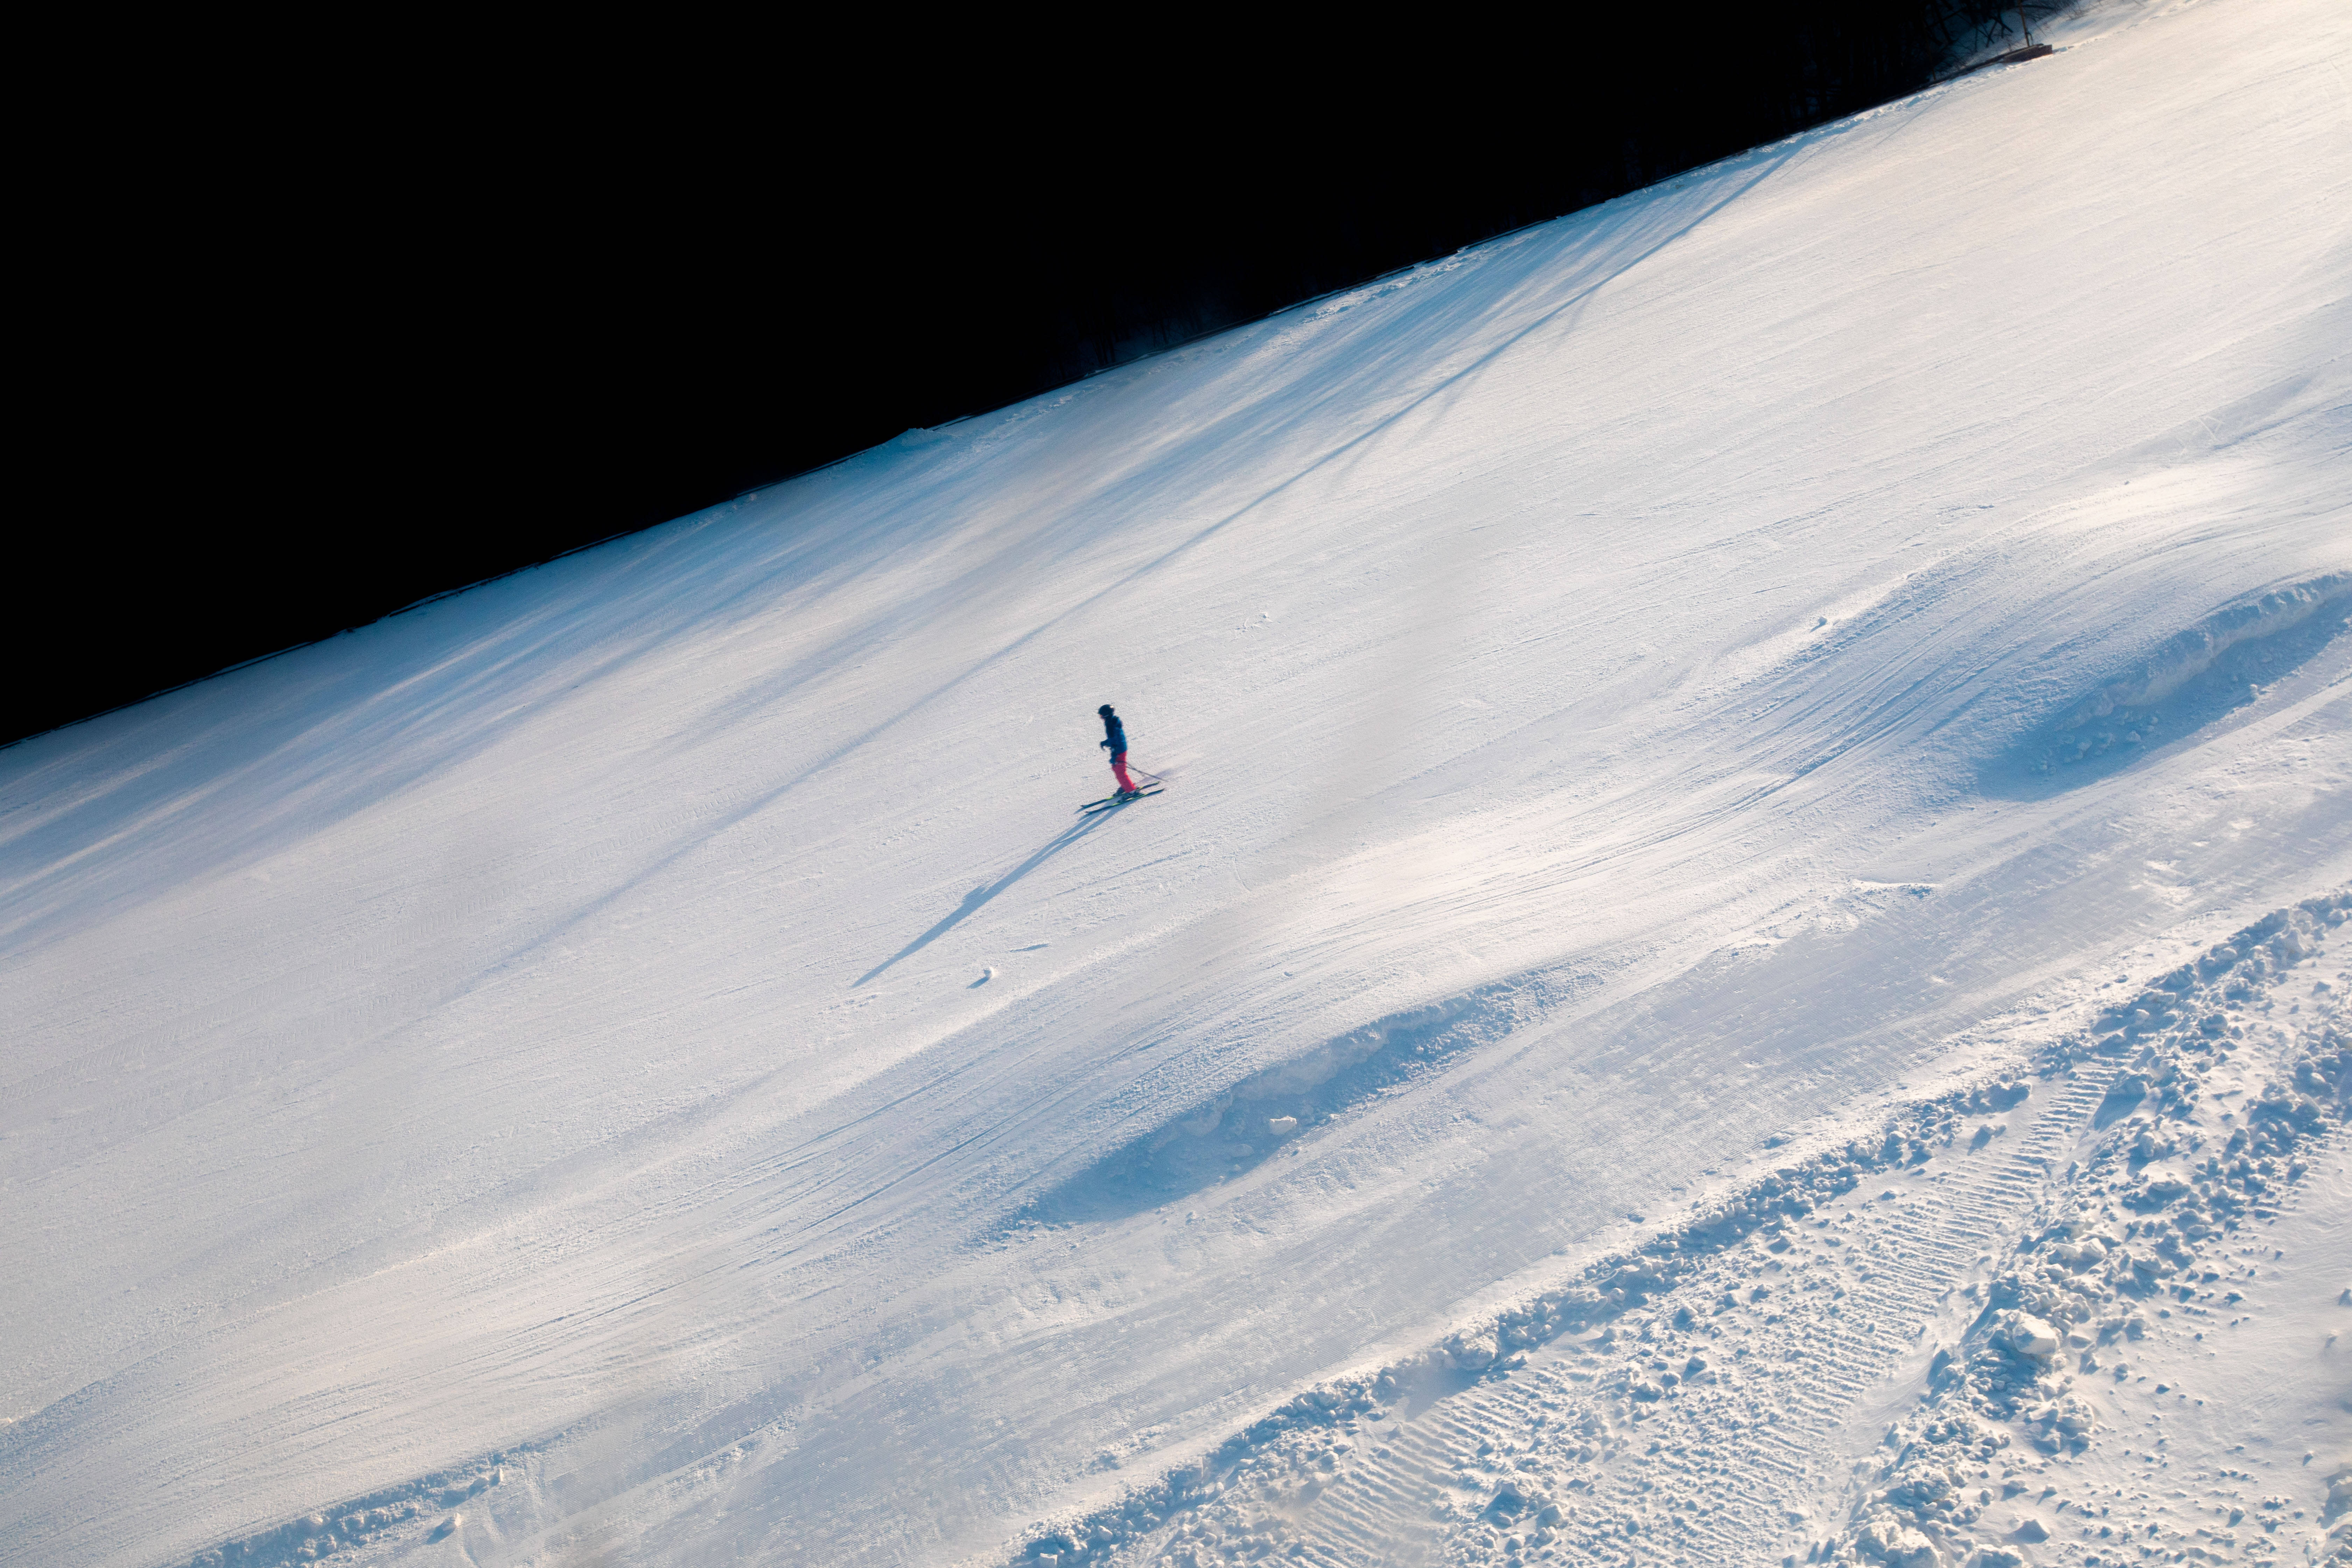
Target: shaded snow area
[1741, 960]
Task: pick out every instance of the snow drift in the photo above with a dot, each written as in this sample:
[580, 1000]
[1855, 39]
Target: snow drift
[2192, 679]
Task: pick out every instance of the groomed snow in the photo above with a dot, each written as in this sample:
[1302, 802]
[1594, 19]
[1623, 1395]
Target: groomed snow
[640, 1061]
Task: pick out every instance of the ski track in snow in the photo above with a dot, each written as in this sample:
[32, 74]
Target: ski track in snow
[1722, 1395]
[1646, 702]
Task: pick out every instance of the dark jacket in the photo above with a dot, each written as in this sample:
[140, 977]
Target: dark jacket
[1114, 735]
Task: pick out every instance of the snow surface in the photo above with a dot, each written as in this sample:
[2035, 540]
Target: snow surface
[640, 1062]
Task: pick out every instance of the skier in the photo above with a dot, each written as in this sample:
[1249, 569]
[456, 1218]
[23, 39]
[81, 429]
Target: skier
[1114, 741]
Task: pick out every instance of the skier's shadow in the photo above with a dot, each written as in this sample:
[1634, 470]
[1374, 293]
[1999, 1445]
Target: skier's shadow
[987, 890]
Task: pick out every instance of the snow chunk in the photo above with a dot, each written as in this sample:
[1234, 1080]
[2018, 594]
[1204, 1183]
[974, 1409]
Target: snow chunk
[2029, 1336]
[1888, 1540]
[1472, 1353]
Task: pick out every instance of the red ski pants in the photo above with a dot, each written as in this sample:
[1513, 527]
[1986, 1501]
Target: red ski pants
[1119, 770]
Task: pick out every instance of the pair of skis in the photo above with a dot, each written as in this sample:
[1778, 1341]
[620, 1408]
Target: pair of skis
[1153, 785]
[1111, 802]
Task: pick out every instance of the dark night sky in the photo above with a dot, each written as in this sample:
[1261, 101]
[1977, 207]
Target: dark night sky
[331, 331]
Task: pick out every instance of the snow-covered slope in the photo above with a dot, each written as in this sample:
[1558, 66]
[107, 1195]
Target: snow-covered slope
[640, 1061]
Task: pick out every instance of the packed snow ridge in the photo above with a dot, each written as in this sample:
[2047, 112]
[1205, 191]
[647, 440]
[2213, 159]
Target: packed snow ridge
[1742, 948]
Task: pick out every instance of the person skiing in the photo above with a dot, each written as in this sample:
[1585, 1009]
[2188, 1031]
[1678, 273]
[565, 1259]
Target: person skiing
[1114, 741]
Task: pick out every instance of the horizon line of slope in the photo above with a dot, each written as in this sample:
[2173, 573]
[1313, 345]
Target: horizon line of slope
[922, 435]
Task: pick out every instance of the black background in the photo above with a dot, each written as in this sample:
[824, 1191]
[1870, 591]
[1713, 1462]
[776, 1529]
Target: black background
[330, 323]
